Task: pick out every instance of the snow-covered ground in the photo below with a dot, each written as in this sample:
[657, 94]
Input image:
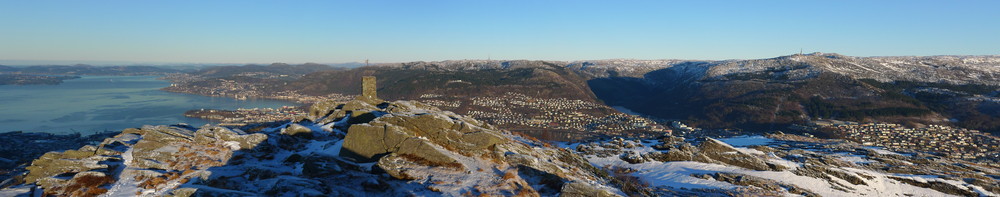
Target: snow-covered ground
[687, 175]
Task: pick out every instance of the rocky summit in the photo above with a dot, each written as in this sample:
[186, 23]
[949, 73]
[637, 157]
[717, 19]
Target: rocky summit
[356, 148]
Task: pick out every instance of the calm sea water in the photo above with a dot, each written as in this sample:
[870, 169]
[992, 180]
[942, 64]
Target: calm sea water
[98, 103]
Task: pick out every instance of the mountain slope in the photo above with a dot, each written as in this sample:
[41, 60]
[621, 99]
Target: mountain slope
[272, 69]
[771, 93]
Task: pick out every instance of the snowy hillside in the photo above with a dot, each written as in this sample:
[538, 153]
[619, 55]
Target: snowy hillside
[782, 164]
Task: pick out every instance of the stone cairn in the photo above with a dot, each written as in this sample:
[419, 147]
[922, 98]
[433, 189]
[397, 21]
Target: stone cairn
[369, 93]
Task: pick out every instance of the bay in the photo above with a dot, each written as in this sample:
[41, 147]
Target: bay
[99, 103]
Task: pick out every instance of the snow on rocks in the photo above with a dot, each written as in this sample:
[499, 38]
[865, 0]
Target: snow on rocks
[830, 169]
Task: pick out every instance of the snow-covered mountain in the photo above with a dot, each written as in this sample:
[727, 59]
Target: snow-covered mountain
[772, 93]
[936, 69]
[949, 69]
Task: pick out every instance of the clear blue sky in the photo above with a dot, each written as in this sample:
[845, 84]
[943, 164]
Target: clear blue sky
[397, 31]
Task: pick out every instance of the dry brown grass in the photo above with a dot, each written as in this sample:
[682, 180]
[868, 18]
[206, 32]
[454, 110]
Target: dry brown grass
[526, 191]
[510, 174]
[87, 185]
[152, 182]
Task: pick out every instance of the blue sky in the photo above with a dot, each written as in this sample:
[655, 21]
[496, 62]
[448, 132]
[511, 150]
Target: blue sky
[398, 31]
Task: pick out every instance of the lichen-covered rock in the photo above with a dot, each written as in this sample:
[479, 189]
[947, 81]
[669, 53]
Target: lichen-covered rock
[355, 105]
[426, 151]
[580, 189]
[365, 142]
[724, 153]
[416, 134]
[297, 130]
[214, 134]
[396, 166]
[157, 158]
[322, 109]
[89, 183]
[52, 164]
[765, 184]
[55, 163]
[405, 107]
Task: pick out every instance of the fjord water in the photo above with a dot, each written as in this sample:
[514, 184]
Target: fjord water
[98, 103]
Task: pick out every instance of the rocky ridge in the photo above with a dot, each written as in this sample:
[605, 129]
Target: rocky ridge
[783, 164]
[357, 148]
[945, 68]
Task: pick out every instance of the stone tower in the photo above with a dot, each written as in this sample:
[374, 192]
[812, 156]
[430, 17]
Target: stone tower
[368, 87]
[369, 91]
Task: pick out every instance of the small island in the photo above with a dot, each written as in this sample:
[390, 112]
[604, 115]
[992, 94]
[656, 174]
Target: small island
[240, 117]
[23, 79]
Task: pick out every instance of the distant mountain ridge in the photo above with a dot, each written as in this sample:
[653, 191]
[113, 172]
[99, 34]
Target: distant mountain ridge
[797, 88]
[783, 90]
[955, 69]
[275, 68]
[759, 93]
[83, 69]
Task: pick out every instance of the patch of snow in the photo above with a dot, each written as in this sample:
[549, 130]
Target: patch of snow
[335, 149]
[778, 160]
[331, 148]
[882, 151]
[856, 159]
[749, 151]
[232, 145]
[678, 175]
[19, 190]
[956, 183]
[126, 185]
[740, 149]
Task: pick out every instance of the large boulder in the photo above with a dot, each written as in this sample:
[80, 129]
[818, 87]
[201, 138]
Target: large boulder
[724, 153]
[55, 163]
[578, 189]
[420, 135]
[229, 136]
[364, 142]
[297, 130]
[323, 108]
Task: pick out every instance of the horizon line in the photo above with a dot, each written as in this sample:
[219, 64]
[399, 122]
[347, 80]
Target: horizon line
[25, 62]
